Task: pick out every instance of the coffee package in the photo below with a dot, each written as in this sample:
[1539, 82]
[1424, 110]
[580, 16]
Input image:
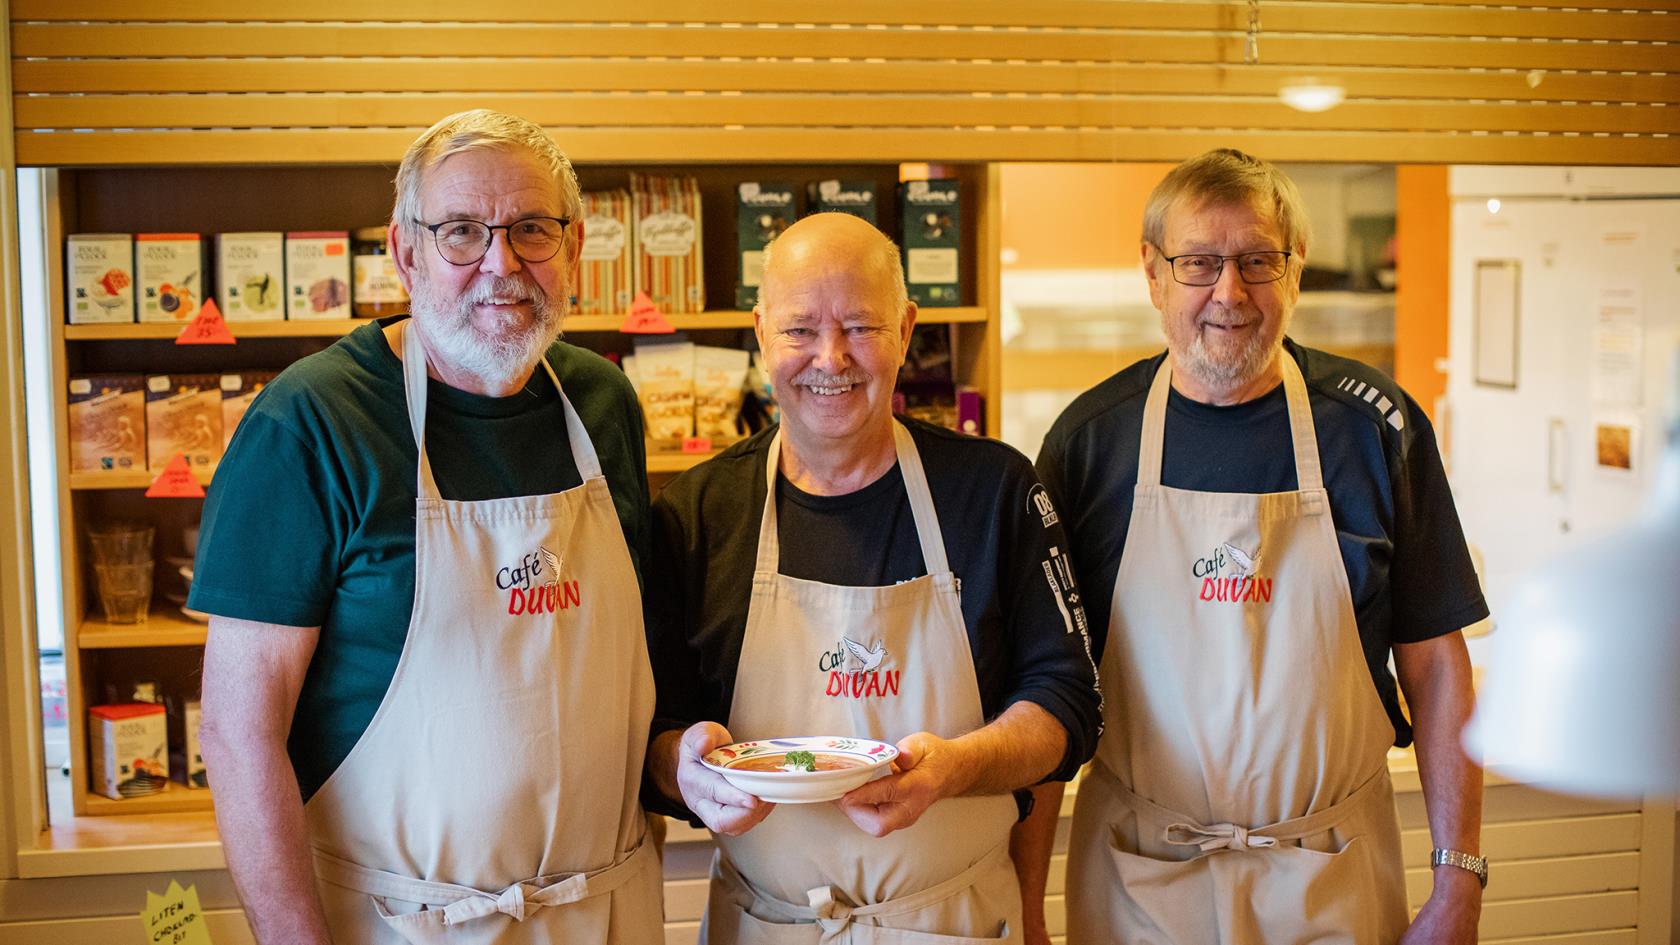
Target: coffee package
[183, 415]
[856, 197]
[107, 420]
[763, 209]
[931, 219]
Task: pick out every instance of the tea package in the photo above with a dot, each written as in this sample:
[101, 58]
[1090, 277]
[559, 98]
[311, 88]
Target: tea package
[604, 280]
[251, 276]
[931, 218]
[107, 419]
[183, 415]
[170, 270]
[719, 375]
[762, 211]
[668, 260]
[318, 275]
[129, 745]
[667, 388]
[99, 271]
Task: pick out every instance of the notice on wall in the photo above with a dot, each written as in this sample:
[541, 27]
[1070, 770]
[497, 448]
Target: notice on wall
[1619, 348]
[174, 918]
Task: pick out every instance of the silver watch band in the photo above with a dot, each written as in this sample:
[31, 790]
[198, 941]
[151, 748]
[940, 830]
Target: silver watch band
[1463, 861]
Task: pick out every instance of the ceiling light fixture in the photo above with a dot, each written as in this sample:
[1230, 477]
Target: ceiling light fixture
[1311, 95]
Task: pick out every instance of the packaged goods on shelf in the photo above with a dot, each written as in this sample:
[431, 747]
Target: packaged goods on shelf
[377, 290]
[186, 759]
[183, 415]
[926, 383]
[763, 209]
[99, 271]
[317, 275]
[238, 390]
[971, 411]
[107, 420]
[763, 388]
[668, 260]
[856, 197]
[719, 374]
[251, 276]
[170, 269]
[931, 226]
[130, 748]
[667, 388]
[605, 281]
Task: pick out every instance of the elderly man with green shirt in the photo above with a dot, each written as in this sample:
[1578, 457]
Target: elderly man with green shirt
[426, 685]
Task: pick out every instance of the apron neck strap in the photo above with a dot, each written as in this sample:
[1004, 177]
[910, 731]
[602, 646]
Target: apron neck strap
[915, 484]
[413, 356]
[1309, 475]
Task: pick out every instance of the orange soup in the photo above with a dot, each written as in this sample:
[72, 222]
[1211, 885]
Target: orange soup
[774, 762]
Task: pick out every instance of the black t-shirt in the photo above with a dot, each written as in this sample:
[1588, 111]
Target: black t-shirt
[998, 542]
[1407, 563]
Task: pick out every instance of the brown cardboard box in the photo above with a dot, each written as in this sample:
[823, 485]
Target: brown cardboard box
[107, 423]
[183, 415]
[604, 285]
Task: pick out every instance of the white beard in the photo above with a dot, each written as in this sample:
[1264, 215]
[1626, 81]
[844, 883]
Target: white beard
[1226, 369]
[496, 359]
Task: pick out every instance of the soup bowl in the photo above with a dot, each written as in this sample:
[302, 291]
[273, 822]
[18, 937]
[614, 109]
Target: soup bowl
[760, 767]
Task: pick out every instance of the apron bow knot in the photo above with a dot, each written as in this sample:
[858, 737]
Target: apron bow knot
[832, 914]
[510, 902]
[1217, 837]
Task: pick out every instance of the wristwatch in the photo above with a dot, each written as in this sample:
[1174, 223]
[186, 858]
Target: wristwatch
[1464, 861]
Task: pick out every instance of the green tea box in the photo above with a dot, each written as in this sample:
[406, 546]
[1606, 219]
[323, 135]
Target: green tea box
[930, 214]
[763, 209]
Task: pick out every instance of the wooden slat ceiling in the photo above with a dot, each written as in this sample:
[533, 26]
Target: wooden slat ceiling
[217, 81]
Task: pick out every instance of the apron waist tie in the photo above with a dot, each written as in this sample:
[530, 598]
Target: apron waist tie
[464, 903]
[826, 908]
[1183, 830]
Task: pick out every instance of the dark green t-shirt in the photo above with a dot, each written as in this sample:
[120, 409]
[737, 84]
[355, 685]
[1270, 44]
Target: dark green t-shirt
[310, 520]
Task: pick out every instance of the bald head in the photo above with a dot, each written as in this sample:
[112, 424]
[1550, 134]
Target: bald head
[824, 242]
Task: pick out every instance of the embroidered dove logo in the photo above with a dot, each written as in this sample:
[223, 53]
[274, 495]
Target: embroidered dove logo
[863, 660]
[552, 562]
[1240, 561]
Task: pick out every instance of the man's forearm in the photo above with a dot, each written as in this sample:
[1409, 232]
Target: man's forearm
[1017, 749]
[1030, 844]
[266, 842]
[1439, 692]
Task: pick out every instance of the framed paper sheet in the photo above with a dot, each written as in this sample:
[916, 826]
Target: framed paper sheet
[1498, 305]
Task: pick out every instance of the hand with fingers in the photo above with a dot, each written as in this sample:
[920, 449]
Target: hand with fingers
[723, 807]
[925, 771]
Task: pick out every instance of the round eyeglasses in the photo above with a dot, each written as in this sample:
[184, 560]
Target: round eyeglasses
[465, 242]
[1204, 269]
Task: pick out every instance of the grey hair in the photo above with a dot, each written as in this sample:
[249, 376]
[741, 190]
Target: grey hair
[887, 256]
[473, 130]
[1228, 177]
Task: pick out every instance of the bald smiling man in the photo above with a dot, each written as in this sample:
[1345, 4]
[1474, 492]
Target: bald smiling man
[856, 573]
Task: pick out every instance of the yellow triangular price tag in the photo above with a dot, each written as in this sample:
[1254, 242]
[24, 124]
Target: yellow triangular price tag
[174, 918]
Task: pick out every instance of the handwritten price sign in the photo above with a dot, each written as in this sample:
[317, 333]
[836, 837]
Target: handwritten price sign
[175, 918]
[207, 328]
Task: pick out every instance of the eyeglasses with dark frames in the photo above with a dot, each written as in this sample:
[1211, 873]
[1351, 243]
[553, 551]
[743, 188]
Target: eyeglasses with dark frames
[1204, 269]
[465, 242]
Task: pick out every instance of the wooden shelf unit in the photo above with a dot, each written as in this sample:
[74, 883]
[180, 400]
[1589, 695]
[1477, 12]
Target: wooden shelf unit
[212, 199]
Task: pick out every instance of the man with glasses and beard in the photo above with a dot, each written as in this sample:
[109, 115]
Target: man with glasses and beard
[855, 574]
[1258, 525]
[426, 686]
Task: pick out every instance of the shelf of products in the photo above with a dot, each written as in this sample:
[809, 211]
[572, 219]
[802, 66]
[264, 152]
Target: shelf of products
[162, 628]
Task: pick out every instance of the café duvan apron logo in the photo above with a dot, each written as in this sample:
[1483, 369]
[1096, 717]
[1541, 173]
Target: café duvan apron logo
[855, 671]
[1231, 575]
[534, 587]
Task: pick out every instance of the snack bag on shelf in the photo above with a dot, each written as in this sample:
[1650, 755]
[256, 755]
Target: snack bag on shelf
[719, 375]
[107, 420]
[667, 388]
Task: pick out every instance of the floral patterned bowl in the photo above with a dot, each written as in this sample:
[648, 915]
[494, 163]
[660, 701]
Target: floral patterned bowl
[865, 758]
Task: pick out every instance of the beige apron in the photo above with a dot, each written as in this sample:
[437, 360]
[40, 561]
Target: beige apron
[1240, 793]
[873, 662]
[494, 796]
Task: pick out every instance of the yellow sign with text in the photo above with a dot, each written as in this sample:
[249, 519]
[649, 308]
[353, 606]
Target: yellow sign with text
[174, 918]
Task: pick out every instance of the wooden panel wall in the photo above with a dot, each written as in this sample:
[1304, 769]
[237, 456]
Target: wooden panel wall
[227, 81]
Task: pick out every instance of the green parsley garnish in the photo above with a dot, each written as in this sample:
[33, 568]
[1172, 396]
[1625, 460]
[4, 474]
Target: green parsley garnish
[799, 761]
